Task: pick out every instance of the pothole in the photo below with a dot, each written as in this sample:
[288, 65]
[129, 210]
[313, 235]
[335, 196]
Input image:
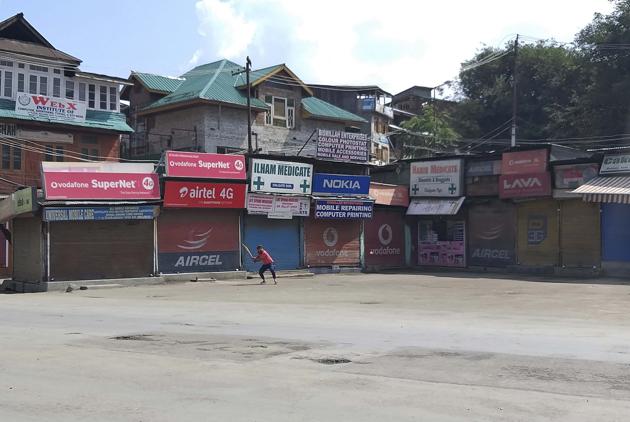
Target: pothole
[136, 337]
[332, 361]
[370, 303]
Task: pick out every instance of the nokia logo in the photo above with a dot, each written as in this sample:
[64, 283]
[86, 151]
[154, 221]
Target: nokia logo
[520, 183]
[341, 184]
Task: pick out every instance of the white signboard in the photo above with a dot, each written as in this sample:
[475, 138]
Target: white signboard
[436, 178]
[281, 177]
[618, 163]
[48, 108]
[278, 206]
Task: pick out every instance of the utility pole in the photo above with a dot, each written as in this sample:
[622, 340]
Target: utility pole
[248, 68]
[514, 83]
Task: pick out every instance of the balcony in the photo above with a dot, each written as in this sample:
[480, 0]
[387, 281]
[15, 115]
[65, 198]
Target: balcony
[370, 104]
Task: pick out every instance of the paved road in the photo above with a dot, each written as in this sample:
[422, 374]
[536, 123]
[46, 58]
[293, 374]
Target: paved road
[336, 348]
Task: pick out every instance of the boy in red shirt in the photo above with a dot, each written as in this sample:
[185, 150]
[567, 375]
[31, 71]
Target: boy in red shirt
[267, 264]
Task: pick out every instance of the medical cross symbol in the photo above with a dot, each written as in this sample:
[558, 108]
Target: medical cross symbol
[305, 186]
[258, 183]
[452, 189]
[415, 189]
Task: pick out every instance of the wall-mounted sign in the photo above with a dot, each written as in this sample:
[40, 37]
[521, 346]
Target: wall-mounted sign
[575, 175]
[48, 108]
[281, 177]
[340, 184]
[394, 195]
[275, 206]
[435, 206]
[205, 166]
[342, 209]
[483, 168]
[536, 229]
[123, 186]
[525, 162]
[436, 178]
[19, 202]
[203, 194]
[342, 146]
[618, 163]
[524, 185]
[131, 212]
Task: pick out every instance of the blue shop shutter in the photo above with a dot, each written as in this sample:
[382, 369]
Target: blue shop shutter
[615, 232]
[281, 238]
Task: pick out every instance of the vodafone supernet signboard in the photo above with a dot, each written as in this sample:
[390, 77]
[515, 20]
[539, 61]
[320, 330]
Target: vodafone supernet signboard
[205, 166]
[95, 185]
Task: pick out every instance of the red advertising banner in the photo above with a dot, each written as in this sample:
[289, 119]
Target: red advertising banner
[385, 239]
[394, 195]
[525, 162]
[332, 242]
[203, 195]
[525, 185]
[204, 166]
[123, 186]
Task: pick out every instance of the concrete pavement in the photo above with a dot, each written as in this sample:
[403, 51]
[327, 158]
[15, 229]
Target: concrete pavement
[441, 347]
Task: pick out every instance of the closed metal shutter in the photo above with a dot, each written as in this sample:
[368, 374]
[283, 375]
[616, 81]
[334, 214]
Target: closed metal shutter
[492, 234]
[538, 241]
[385, 239]
[616, 232]
[281, 238]
[579, 234]
[332, 242]
[82, 250]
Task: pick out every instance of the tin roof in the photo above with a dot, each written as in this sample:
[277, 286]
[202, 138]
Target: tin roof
[606, 189]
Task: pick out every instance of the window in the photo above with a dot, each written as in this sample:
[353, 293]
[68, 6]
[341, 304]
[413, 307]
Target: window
[32, 84]
[94, 153]
[69, 89]
[281, 112]
[112, 97]
[21, 65]
[59, 151]
[228, 150]
[85, 152]
[6, 157]
[43, 85]
[269, 102]
[89, 139]
[81, 91]
[36, 68]
[6, 63]
[49, 153]
[8, 84]
[290, 113]
[20, 82]
[91, 96]
[17, 158]
[56, 87]
[57, 71]
[103, 98]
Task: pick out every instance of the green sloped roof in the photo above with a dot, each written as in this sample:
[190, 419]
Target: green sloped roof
[158, 83]
[256, 75]
[322, 110]
[94, 119]
[212, 82]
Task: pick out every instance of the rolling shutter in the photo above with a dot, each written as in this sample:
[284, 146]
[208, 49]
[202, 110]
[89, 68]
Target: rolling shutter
[579, 234]
[538, 240]
[332, 242]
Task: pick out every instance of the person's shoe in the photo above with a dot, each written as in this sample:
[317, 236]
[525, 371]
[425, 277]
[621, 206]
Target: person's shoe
[274, 281]
[263, 282]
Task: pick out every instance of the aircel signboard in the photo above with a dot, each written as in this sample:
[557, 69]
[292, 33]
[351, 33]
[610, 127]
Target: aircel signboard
[281, 177]
[340, 184]
[48, 108]
[187, 194]
[123, 186]
[204, 166]
[436, 178]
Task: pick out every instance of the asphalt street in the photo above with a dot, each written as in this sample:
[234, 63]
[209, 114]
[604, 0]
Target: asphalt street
[406, 347]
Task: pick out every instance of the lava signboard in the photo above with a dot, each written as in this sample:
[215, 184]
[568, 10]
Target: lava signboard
[198, 240]
[281, 177]
[204, 166]
[187, 194]
[340, 184]
[436, 178]
[524, 185]
[123, 186]
[525, 162]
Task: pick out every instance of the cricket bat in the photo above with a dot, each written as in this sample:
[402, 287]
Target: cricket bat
[248, 251]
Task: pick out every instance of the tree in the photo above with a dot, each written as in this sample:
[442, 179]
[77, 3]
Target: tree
[427, 133]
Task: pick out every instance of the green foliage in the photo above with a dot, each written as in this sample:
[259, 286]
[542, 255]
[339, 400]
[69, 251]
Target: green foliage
[427, 133]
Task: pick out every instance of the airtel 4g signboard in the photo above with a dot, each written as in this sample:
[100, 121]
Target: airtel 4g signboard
[203, 195]
[340, 184]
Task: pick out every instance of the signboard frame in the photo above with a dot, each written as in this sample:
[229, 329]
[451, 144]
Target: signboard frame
[439, 178]
[204, 165]
[274, 176]
[337, 145]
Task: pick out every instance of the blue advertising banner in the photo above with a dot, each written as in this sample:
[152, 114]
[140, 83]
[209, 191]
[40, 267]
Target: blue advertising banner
[340, 209]
[128, 212]
[341, 184]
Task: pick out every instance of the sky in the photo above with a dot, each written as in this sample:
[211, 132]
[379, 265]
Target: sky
[391, 43]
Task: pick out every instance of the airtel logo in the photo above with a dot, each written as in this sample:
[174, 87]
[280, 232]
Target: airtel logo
[520, 183]
[183, 192]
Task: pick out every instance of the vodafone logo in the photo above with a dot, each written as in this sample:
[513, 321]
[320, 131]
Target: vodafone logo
[239, 165]
[148, 183]
[330, 236]
[385, 234]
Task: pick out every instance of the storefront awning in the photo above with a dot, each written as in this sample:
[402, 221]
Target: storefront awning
[606, 189]
[432, 206]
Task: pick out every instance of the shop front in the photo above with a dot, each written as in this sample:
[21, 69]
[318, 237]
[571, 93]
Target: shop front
[491, 233]
[20, 204]
[199, 227]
